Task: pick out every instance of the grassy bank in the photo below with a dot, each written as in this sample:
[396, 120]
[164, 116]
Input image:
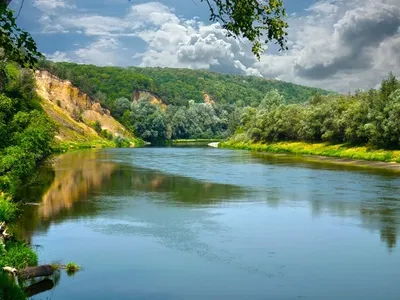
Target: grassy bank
[320, 149]
[96, 144]
[16, 253]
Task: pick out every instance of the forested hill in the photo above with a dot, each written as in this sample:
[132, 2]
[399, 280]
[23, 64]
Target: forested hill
[175, 86]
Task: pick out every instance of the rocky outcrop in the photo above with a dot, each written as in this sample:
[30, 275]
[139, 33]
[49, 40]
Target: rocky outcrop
[207, 99]
[138, 95]
[74, 111]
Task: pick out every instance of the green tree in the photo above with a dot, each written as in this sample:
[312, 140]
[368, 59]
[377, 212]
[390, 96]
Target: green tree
[120, 106]
[16, 44]
[252, 20]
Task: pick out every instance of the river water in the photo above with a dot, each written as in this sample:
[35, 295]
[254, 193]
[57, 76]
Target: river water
[205, 223]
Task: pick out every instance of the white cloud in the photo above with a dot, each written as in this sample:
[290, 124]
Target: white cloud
[50, 5]
[103, 51]
[340, 44]
[170, 41]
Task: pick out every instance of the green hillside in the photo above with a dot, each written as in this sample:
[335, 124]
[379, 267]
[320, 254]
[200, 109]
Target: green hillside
[175, 86]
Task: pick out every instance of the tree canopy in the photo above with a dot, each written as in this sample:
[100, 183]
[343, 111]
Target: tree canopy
[258, 21]
[16, 44]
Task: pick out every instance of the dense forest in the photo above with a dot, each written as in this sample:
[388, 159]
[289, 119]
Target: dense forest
[256, 110]
[174, 86]
[364, 118]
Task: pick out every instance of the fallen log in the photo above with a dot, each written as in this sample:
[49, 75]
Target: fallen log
[32, 272]
[39, 287]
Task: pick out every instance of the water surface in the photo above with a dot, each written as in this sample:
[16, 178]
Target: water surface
[205, 223]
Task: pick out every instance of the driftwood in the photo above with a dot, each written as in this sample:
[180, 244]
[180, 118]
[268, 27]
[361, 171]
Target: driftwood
[3, 234]
[39, 287]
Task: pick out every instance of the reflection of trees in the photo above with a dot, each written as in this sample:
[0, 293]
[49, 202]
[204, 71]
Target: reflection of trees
[81, 175]
[387, 218]
[378, 211]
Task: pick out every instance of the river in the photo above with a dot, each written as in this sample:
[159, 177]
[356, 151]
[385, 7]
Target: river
[205, 223]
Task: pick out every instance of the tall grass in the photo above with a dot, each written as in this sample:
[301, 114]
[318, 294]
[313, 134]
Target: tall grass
[320, 149]
[8, 208]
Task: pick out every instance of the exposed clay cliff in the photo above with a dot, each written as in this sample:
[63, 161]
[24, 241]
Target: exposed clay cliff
[74, 111]
[149, 96]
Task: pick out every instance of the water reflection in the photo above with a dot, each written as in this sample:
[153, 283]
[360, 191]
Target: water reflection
[376, 202]
[368, 196]
[80, 176]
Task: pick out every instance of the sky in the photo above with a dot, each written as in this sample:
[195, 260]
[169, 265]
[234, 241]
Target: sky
[340, 45]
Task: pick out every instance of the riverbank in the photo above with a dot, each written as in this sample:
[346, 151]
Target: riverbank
[14, 252]
[343, 154]
[192, 141]
[17, 253]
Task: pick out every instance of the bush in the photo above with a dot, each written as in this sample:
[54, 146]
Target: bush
[97, 126]
[8, 209]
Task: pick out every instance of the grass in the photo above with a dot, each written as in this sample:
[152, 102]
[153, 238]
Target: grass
[319, 149]
[8, 208]
[17, 254]
[65, 146]
[9, 290]
[71, 268]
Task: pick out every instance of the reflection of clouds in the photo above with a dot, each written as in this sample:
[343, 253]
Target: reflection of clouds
[182, 229]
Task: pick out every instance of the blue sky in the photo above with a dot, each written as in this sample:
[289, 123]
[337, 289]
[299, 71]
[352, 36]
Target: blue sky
[340, 45]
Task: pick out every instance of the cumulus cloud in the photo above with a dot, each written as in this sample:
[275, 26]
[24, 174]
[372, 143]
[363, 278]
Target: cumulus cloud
[352, 43]
[171, 41]
[104, 51]
[50, 5]
[341, 45]
[336, 44]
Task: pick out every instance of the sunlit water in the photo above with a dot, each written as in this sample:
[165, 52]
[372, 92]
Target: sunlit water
[205, 223]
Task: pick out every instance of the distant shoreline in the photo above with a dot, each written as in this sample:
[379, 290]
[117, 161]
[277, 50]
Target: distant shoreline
[343, 155]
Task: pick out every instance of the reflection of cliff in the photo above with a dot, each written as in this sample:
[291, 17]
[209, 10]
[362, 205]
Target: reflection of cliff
[76, 175]
[80, 175]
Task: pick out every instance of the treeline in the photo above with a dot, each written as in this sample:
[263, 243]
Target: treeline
[174, 86]
[157, 124]
[368, 118]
